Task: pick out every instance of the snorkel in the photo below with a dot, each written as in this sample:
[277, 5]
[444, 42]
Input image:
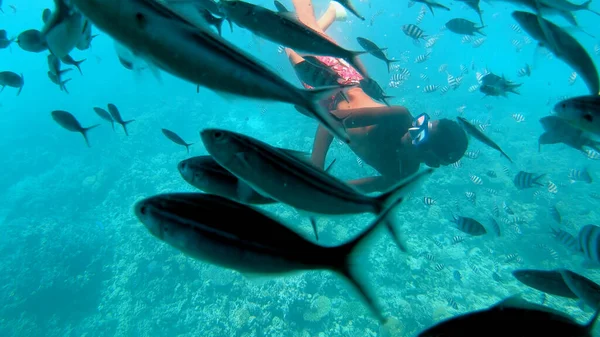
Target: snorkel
[419, 132]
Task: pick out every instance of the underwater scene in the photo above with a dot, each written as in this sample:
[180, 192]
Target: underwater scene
[301, 168]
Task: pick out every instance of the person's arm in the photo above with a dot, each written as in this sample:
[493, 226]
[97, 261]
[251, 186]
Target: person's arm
[363, 117]
[371, 184]
[321, 146]
[306, 14]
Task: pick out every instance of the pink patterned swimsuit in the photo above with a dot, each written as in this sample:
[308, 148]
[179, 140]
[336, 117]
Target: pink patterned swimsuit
[347, 76]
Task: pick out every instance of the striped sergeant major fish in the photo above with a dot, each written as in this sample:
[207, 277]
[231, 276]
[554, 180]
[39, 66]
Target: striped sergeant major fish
[525, 180]
[566, 239]
[468, 225]
[589, 241]
[414, 32]
[207, 227]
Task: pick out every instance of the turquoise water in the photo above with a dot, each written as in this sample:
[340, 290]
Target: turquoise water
[77, 262]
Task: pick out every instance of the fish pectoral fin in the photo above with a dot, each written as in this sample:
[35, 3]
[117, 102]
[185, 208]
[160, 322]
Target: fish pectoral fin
[244, 191]
[241, 156]
[313, 223]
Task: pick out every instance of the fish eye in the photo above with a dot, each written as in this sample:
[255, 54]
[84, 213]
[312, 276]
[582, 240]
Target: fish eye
[588, 117]
[143, 210]
[218, 135]
[182, 165]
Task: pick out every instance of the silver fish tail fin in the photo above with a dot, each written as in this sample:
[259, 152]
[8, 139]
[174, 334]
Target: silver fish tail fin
[125, 126]
[312, 103]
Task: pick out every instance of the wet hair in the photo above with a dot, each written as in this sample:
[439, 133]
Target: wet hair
[449, 141]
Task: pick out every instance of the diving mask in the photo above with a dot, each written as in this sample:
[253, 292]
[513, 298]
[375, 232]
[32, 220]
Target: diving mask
[420, 129]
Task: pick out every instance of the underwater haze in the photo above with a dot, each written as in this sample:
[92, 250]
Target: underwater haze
[76, 261]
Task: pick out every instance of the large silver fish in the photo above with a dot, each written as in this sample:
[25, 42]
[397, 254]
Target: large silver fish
[196, 54]
[226, 233]
[293, 180]
[561, 44]
[286, 29]
[63, 29]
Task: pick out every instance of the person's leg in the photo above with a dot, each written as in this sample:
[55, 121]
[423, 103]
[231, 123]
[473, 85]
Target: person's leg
[323, 23]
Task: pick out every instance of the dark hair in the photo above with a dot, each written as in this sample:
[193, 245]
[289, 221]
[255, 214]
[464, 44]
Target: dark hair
[449, 142]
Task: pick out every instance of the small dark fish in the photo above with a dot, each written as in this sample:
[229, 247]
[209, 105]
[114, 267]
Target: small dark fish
[561, 44]
[525, 180]
[105, 115]
[547, 281]
[314, 73]
[496, 277]
[176, 139]
[212, 20]
[457, 239]
[206, 174]
[469, 226]
[58, 81]
[431, 4]
[10, 79]
[457, 276]
[4, 40]
[587, 290]
[32, 41]
[374, 50]
[374, 90]
[428, 201]
[555, 214]
[474, 5]
[70, 61]
[116, 115]
[349, 6]
[495, 227]
[463, 27]
[69, 122]
[512, 317]
[259, 244]
[491, 174]
[589, 241]
[480, 136]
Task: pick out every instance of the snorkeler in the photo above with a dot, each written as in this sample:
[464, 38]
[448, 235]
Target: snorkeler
[389, 139]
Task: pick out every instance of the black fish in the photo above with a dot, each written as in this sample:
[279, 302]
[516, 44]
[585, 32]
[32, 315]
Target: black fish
[213, 20]
[349, 6]
[469, 225]
[560, 131]
[116, 115]
[431, 4]
[105, 115]
[561, 44]
[70, 61]
[495, 227]
[176, 139]
[547, 281]
[525, 180]
[463, 27]
[374, 50]
[206, 174]
[494, 85]
[374, 90]
[58, 81]
[4, 40]
[512, 317]
[69, 122]
[480, 136]
[10, 79]
[239, 237]
[32, 41]
[587, 290]
[474, 5]
[589, 241]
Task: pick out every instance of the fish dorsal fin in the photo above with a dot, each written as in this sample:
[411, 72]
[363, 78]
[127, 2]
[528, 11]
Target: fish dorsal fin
[290, 16]
[280, 7]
